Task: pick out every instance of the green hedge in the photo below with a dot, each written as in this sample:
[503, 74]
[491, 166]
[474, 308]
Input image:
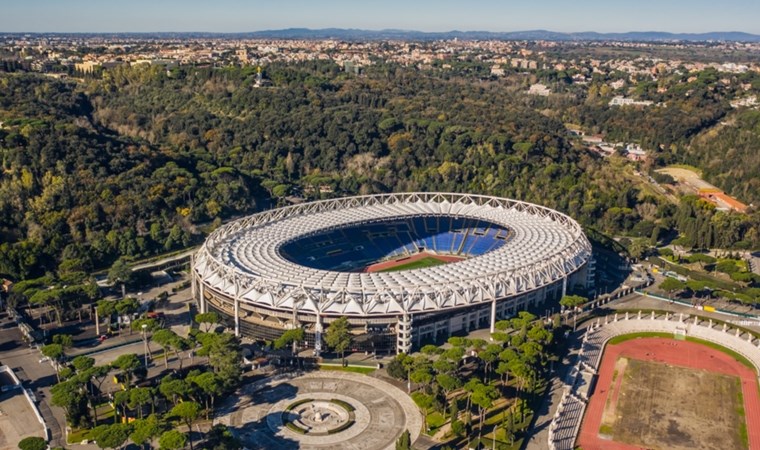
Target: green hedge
[299, 402]
[341, 428]
[342, 404]
[293, 427]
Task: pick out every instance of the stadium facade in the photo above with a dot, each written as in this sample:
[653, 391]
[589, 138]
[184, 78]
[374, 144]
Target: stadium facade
[307, 265]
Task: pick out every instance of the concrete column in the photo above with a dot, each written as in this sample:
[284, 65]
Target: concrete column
[318, 335]
[202, 307]
[404, 334]
[493, 315]
[194, 280]
[237, 317]
[564, 286]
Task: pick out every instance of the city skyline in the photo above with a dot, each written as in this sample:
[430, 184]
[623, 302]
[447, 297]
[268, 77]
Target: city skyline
[230, 16]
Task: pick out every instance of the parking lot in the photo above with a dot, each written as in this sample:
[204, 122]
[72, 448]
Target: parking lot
[17, 419]
[39, 377]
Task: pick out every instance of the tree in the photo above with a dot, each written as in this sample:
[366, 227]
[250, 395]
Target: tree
[187, 412]
[396, 367]
[289, 337]
[172, 440]
[223, 351]
[140, 396]
[209, 320]
[54, 352]
[32, 443]
[483, 397]
[489, 356]
[144, 430]
[211, 386]
[424, 402]
[126, 307]
[172, 389]
[81, 363]
[69, 396]
[221, 438]
[167, 339]
[120, 272]
[338, 337]
[671, 285]
[64, 340]
[127, 365]
[573, 301]
[404, 442]
[111, 436]
[448, 383]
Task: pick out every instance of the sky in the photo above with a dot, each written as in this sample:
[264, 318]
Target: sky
[690, 16]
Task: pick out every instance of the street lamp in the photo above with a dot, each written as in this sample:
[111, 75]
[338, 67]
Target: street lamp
[145, 342]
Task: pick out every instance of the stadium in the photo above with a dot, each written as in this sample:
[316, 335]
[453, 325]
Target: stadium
[405, 269]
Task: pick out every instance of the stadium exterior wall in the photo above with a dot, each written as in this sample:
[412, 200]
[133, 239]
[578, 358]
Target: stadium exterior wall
[399, 330]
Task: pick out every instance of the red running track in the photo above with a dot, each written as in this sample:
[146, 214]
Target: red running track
[677, 353]
[377, 267]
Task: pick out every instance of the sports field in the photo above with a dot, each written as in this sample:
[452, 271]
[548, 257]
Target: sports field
[418, 264]
[418, 261]
[656, 405]
[661, 393]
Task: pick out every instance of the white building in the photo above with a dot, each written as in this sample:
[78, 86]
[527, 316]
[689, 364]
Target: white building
[539, 89]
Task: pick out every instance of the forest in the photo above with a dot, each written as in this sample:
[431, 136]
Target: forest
[145, 160]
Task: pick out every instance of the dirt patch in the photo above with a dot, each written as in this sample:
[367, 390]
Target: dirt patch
[688, 177]
[609, 417]
[664, 406]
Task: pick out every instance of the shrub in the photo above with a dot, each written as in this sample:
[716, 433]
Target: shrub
[343, 404]
[298, 403]
[293, 427]
[344, 426]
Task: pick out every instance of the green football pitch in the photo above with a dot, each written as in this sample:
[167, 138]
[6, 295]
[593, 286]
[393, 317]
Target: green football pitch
[418, 264]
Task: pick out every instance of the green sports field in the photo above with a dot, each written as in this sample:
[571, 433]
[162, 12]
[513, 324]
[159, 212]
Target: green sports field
[418, 264]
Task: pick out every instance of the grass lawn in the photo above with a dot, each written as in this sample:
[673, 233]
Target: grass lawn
[631, 336]
[435, 420]
[418, 264]
[725, 350]
[361, 370]
[77, 436]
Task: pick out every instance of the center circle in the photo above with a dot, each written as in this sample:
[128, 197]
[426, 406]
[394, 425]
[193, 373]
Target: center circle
[318, 417]
[357, 246]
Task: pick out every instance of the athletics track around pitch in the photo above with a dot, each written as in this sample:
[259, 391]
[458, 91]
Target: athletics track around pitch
[677, 353]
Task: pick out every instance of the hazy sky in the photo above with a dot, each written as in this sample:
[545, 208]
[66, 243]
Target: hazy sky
[424, 15]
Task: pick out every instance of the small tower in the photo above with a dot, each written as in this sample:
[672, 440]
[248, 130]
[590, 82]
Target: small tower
[258, 77]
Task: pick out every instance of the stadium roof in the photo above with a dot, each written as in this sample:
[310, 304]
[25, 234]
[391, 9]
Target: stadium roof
[242, 259]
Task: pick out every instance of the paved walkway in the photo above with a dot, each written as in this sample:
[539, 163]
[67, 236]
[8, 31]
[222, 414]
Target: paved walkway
[642, 302]
[386, 411]
[540, 431]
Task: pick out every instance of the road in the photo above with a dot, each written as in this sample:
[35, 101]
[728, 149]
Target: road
[38, 377]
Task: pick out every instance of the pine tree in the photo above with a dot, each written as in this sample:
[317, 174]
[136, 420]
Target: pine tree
[404, 441]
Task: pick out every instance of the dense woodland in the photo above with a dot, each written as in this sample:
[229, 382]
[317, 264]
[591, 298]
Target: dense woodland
[144, 160]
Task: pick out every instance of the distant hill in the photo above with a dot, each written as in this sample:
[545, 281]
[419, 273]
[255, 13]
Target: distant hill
[351, 34]
[355, 34]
